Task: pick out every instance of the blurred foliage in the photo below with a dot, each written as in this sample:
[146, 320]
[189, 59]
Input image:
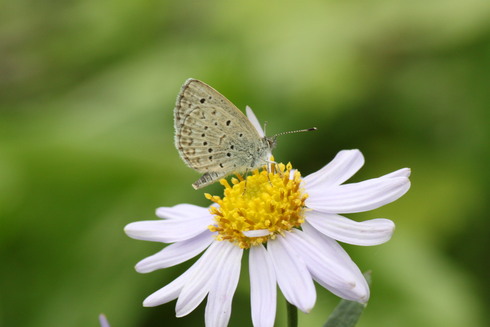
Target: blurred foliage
[87, 90]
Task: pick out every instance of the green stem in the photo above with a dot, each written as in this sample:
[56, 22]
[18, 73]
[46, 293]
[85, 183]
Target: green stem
[292, 315]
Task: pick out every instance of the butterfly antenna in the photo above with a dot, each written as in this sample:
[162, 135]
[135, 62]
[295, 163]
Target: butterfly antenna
[297, 131]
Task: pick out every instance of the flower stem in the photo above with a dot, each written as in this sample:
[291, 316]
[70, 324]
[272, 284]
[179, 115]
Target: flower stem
[292, 315]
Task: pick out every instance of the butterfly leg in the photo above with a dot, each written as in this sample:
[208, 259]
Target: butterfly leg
[246, 176]
[271, 168]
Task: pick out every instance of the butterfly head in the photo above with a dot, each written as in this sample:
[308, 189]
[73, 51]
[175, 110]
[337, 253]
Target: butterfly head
[271, 142]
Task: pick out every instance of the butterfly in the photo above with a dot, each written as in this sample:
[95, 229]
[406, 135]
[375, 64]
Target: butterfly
[214, 137]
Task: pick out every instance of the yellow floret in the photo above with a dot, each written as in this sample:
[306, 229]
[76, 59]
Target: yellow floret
[266, 200]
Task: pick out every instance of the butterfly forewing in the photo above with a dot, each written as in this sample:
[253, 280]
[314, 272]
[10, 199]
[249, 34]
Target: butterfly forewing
[212, 135]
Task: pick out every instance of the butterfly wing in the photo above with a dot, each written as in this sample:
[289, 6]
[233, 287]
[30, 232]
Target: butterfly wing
[211, 134]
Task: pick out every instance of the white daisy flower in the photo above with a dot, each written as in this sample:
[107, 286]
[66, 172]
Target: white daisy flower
[289, 224]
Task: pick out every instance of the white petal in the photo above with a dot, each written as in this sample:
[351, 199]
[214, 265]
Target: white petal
[404, 172]
[263, 292]
[256, 233]
[175, 253]
[321, 261]
[180, 211]
[170, 291]
[345, 164]
[369, 232]
[103, 321]
[200, 282]
[360, 292]
[358, 197]
[218, 308]
[168, 231]
[292, 275]
[254, 121]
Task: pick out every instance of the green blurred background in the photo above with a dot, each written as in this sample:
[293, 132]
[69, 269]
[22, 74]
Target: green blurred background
[87, 90]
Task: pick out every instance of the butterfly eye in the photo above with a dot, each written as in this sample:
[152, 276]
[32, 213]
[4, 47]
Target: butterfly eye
[271, 142]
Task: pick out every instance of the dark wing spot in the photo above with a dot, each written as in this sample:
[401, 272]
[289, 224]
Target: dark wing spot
[241, 134]
[221, 165]
[228, 122]
[203, 135]
[210, 150]
[206, 127]
[202, 100]
[210, 158]
[215, 123]
[228, 154]
[232, 147]
[204, 143]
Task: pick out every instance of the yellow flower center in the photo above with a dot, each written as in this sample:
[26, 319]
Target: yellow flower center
[258, 208]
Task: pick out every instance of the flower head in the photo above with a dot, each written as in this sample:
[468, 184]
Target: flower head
[254, 210]
[289, 224]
